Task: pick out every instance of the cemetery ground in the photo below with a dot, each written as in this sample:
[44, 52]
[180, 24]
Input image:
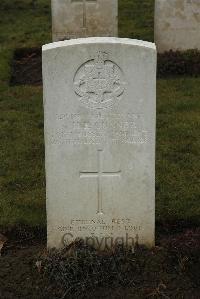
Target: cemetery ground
[171, 269]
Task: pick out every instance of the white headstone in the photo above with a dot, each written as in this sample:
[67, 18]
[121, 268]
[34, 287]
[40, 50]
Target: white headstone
[83, 18]
[177, 25]
[100, 112]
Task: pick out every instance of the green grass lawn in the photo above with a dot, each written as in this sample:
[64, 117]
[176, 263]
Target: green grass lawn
[22, 178]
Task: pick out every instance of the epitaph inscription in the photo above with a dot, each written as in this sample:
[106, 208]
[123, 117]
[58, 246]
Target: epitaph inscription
[92, 225]
[101, 232]
[99, 83]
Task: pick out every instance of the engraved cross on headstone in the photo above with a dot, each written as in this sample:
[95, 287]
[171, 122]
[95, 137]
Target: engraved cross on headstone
[84, 2]
[100, 174]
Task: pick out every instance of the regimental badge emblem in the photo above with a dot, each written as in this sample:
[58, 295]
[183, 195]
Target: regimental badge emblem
[99, 83]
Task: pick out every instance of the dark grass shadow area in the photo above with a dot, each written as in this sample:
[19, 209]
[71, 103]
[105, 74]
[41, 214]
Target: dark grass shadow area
[27, 67]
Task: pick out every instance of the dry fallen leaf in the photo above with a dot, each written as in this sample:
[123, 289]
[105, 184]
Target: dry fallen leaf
[39, 265]
[3, 240]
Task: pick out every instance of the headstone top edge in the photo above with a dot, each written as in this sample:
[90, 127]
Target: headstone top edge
[99, 40]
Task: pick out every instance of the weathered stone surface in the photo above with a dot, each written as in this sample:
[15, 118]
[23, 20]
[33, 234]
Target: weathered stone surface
[177, 24]
[99, 102]
[83, 18]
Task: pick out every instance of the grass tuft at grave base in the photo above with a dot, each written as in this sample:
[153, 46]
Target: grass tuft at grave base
[121, 274]
[27, 24]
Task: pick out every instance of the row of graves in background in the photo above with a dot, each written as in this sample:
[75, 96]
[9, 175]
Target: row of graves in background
[100, 119]
[177, 22]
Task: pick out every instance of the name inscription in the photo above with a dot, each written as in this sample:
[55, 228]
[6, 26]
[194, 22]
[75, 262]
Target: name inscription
[99, 128]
